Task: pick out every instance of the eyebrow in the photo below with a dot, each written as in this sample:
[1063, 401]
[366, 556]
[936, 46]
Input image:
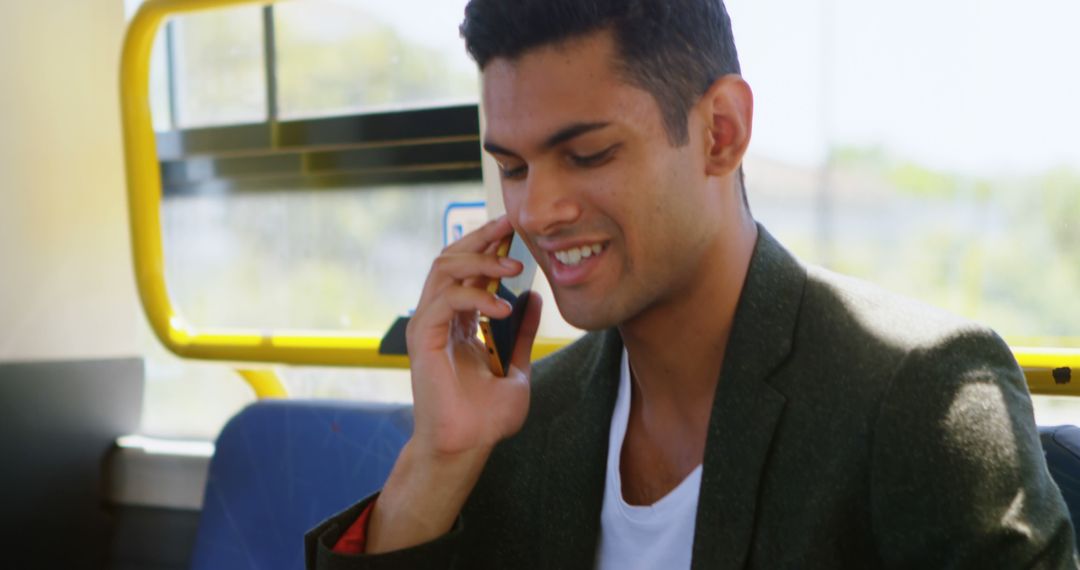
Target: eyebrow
[565, 134]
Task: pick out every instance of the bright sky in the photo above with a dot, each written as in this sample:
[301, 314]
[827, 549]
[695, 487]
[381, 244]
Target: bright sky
[984, 86]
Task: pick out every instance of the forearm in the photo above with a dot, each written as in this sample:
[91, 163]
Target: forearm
[422, 497]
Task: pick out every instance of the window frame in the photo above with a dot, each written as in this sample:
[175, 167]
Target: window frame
[145, 192]
[1044, 367]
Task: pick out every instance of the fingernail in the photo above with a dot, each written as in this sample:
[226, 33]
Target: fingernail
[508, 263]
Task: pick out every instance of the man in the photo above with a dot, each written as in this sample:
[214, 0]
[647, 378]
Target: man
[731, 407]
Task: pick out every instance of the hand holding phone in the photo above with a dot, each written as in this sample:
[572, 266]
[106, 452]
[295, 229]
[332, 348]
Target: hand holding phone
[460, 402]
[461, 409]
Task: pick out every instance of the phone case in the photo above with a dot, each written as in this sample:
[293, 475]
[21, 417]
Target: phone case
[496, 365]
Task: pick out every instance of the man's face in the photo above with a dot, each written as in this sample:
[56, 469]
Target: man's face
[617, 217]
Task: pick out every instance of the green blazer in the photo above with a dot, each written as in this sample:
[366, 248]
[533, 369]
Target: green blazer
[851, 429]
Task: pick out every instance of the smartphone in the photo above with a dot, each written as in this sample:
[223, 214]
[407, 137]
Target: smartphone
[500, 335]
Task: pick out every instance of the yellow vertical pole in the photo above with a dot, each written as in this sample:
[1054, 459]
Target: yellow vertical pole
[265, 383]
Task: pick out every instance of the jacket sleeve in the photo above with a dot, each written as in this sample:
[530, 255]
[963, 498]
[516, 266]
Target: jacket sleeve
[958, 478]
[319, 542]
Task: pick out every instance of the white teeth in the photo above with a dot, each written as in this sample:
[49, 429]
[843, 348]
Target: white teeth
[575, 255]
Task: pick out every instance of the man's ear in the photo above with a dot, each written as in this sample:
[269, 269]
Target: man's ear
[728, 110]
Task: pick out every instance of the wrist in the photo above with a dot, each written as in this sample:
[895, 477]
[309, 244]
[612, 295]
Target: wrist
[423, 496]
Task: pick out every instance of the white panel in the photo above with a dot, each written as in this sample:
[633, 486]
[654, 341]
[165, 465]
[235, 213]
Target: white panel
[66, 288]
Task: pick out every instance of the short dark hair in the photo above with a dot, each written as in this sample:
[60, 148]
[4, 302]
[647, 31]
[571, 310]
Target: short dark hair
[674, 49]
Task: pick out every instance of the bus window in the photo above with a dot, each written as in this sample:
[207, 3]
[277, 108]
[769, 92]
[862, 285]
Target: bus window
[217, 65]
[926, 148]
[274, 219]
[883, 162]
[337, 58]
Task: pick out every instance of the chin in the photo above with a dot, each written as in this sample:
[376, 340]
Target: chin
[589, 319]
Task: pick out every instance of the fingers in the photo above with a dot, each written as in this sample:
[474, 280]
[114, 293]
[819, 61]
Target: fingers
[530, 323]
[469, 300]
[478, 240]
[491, 250]
[456, 286]
[429, 329]
[461, 266]
[471, 260]
[470, 269]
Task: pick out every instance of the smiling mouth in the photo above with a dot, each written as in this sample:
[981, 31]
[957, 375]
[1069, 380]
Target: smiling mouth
[576, 255]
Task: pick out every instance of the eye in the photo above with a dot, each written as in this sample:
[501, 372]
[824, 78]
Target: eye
[515, 173]
[594, 160]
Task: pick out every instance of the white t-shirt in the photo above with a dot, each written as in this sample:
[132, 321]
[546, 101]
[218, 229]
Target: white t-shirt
[657, 536]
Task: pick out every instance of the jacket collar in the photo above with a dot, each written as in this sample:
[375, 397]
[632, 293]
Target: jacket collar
[746, 410]
[576, 458]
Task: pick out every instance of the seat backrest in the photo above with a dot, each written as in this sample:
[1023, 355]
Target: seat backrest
[1061, 444]
[280, 467]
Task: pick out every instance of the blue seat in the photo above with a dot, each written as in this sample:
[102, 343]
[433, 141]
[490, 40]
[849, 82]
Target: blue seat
[1061, 444]
[281, 467]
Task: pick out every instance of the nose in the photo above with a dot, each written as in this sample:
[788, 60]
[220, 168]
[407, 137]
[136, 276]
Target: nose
[547, 204]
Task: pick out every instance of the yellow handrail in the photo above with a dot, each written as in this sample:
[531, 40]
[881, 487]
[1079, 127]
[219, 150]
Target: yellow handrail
[1039, 365]
[144, 205]
[303, 348]
[265, 383]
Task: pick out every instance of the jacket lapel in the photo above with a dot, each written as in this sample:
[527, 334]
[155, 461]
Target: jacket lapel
[745, 413]
[576, 460]
[746, 409]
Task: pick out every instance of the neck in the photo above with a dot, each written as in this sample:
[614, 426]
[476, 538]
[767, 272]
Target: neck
[676, 347]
